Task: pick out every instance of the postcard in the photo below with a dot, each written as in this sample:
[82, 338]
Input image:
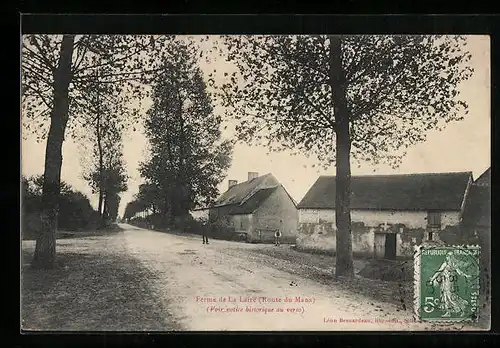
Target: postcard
[255, 183]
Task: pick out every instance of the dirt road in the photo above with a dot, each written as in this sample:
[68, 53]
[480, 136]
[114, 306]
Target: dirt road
[139, 280]
[194, 279]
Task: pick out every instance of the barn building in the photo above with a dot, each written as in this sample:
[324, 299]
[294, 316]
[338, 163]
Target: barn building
[256, 208]
[389, 213]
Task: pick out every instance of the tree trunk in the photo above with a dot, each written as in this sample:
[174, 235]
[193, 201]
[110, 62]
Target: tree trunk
[344, 261]
[101, 160]
[181, 173]
[45, 250]
[99, 207]
[167, 214]
[105, 211]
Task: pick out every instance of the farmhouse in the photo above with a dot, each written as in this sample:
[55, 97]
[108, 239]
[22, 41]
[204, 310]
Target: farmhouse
[389, 213]
[477, 213]
[200, 214]
[257, 208]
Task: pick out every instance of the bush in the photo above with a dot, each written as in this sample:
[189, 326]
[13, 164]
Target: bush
[213, 229]
[30, 225]
[196, 226]
[76, 213]
[140, 222]
[187, 224]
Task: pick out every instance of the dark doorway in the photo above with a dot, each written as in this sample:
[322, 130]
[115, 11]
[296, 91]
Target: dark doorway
[390, 246]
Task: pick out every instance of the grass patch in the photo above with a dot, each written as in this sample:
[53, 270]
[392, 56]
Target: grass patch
[314, 251]
[388, 270]
[93, 287]
[380, 280]
[321, 268]
[63, 234]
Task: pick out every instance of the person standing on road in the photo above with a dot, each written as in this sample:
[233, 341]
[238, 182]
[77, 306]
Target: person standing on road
[204, 235]
[277, 235]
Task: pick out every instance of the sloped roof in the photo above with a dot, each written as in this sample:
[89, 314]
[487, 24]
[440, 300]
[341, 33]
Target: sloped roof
[484, 179]
[429, 191]
[477, 211]
[251, 204]
[238, 193]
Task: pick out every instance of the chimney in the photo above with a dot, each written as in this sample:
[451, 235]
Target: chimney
[232, 183]
[252, 175]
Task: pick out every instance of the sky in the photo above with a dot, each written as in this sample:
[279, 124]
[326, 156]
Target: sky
[461, 146]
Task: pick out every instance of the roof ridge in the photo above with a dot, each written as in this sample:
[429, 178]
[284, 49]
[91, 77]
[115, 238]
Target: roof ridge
[393, 190]
[394, 175]
[247, 181]
[289, 195]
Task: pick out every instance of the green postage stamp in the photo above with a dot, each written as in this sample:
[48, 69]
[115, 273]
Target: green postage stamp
[447, 283]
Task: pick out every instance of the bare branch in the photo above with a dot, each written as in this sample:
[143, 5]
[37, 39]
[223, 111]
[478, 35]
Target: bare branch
[141, 72]
[43, 56]
[33, 70]
[111, 62]
[38, 57]
[80, 57]
[40, 95]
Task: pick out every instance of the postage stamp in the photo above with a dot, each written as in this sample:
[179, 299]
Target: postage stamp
[447, 283]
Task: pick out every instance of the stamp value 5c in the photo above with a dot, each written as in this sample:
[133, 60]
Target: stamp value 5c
[446, 283]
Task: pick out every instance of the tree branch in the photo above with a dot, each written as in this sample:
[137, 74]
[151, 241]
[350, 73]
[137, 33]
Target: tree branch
[80, 57]
[306, 99]
[111, 62]
[286, 56]
[321, 113]
[258, 116]
[374, 103]
[359, 70]
[353, 67]
[28, 59]
[43, 56]
[37, 75]
[40, 95]
[142, 72]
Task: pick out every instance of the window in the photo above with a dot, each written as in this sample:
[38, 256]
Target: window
[434, 219]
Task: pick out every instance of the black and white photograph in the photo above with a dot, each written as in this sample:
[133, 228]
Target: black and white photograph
[255, 182]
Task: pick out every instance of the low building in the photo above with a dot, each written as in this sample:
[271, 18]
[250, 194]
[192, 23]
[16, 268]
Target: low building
[257, 208]
[200, 214]
[389, 213]
[476, 221]
[477, 212]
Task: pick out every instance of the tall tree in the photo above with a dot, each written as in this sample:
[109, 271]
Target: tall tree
[105, 171]
[363, 97]
[45, 244]
[115, 182]
[112, 205]
[130, 210]
[150, 196]
[56, 71]
[188, 159]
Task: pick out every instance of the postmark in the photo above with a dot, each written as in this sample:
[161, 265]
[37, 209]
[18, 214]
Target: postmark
[447, 283]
